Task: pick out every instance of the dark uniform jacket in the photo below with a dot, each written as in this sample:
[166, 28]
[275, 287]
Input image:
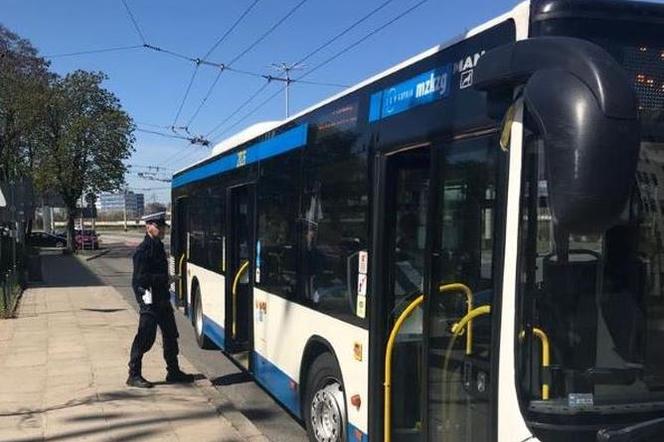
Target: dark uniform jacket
[150, 272]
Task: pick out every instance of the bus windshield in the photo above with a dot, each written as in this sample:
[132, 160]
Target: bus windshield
[592, 305]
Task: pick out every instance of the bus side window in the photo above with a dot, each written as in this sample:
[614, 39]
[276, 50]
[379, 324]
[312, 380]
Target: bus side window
[278, 208]
[334, 224]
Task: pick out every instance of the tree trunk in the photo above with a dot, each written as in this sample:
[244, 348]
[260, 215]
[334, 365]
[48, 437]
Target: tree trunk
[71, 244]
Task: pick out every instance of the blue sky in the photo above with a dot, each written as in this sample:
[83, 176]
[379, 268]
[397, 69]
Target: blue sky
[151, 85]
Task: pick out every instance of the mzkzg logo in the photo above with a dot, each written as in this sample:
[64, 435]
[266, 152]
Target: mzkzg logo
[424, 88]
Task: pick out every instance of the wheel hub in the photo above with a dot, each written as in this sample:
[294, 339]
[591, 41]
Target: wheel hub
[327, 413]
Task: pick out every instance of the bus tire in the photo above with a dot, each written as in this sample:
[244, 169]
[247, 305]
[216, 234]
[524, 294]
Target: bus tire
[202, 340]
[325, 403]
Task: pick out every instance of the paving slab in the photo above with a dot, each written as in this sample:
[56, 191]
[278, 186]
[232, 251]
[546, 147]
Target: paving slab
[64, 366]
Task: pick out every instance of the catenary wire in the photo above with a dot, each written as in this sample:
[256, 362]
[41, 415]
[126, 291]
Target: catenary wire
[166, 135]
[186, 94]
[133, 20]
[361, 40]
[325, 62]
[268, 32]
[231, 29]
[239, 109]
[242, 54]
[344, 32]
[93, 51]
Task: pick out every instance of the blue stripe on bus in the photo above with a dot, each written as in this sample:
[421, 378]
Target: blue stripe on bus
[214, 331]
[289, 140]
[353, 434]
[276, 382]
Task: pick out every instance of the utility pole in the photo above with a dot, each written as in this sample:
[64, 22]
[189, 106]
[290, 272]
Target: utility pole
[124, 211]
[285, 69]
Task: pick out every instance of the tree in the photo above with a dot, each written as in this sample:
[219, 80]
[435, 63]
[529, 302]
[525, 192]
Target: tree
[24, 80]
[85, 138]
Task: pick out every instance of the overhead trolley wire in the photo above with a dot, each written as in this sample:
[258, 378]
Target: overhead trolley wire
[242, 54]
[221, 66]
[239, 109]
[231, 29]
[172, 53]
[268, 32]
[364, 38]
[254, 110]
[325, 62]
[94, 51]
[344, 32]
[133, 20]
[186, 94]
[166, 135]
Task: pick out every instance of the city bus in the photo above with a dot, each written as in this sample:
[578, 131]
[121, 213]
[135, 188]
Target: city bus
[466, 247]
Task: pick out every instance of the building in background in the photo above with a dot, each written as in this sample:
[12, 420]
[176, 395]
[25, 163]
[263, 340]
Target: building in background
[134, 203]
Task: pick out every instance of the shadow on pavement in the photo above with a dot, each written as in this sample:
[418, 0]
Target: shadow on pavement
[232, 379]
[117, 421]
[60, 270]
[104, 310]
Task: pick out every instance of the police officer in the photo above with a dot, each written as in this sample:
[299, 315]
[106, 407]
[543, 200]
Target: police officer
[150, 282]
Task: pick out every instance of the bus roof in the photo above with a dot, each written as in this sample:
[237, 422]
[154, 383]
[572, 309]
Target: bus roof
[519, 13]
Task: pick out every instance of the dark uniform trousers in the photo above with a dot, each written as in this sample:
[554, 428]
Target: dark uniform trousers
[163, 317]
[151, 273]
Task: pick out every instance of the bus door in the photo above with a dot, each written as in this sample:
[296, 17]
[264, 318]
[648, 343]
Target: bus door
[240, 257]
[459, 397]
[181, 250]
[405, 186]
[440, 214]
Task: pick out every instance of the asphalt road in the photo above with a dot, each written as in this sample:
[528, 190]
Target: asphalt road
[114, 268]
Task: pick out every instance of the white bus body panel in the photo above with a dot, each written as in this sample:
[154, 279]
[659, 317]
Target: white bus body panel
[212, 286]
[282, 330]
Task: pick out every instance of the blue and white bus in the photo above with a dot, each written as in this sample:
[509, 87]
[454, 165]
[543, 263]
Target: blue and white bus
[466, 247]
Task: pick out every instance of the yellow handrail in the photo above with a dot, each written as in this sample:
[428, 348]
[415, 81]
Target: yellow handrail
[181, 277]
[387, 436]
[243, 267]
[458, 327]
[546, 356]
[457, 287]
[387, 397]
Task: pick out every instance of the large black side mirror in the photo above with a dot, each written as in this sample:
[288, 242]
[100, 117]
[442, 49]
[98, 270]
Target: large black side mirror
[584, 107]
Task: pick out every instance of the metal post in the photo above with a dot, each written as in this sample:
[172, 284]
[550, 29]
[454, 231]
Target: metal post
[287, 97]
[286, 69]
[124, 205]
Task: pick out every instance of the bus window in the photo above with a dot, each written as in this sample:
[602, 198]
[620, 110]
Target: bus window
[278, 207]
[459, 373]
[334, 225]
[206, 223]
[409, 190]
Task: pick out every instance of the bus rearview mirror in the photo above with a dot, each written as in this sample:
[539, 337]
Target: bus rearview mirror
[590, 157]
[584, 108]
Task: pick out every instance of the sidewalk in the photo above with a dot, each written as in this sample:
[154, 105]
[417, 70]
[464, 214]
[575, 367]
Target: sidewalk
[63, 366]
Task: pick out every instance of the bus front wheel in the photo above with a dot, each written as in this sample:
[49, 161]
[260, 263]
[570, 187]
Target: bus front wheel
[325, 405]
[202, 340]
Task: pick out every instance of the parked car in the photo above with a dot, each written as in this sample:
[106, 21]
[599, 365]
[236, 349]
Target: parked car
[86, 239]
[43, 239]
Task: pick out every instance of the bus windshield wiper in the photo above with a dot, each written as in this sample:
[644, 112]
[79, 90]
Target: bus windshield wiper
[642, 432]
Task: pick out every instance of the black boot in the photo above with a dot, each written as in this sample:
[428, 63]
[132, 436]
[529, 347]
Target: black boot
[138, 381]
[179, 377]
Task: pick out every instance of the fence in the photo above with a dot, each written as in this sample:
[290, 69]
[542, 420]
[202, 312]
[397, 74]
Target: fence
[12, 270]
